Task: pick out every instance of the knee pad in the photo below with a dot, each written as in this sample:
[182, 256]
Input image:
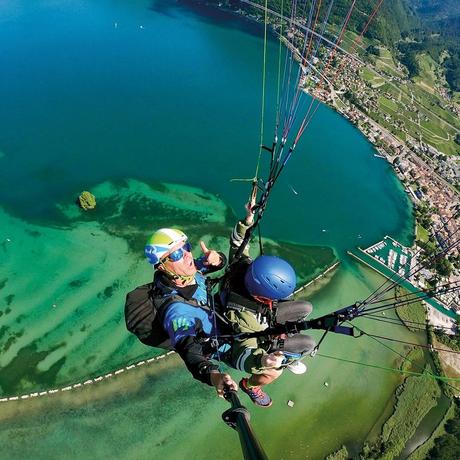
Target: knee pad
[296, 346]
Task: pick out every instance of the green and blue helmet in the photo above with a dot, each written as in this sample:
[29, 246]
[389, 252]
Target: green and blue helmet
[161, 243]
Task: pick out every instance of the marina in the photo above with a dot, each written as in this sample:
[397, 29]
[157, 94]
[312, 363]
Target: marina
[396, 263]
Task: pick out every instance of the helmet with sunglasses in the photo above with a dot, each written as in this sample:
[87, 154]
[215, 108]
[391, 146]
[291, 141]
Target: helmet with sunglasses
[161, 243]
[270, 277]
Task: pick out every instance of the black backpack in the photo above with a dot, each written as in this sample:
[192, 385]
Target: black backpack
[144, 308]
[143, 316]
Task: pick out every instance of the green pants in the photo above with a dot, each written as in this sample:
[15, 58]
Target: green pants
[246, 354]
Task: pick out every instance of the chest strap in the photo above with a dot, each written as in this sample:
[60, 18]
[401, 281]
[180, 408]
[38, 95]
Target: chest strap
[239, 303]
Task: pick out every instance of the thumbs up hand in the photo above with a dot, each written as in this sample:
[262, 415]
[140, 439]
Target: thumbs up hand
[212, 258]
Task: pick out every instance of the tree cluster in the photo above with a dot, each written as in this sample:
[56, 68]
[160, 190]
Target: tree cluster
[450, 340]
[432, 260]
[423, 213]
[452, 65]
[350, 96]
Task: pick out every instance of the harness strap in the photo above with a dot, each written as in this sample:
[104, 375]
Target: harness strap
[239, 303]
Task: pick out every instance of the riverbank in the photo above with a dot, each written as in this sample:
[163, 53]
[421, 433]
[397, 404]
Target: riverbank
[421, 452]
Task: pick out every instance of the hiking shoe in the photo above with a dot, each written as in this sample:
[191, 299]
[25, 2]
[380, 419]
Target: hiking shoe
[297, 367]
[257, 395]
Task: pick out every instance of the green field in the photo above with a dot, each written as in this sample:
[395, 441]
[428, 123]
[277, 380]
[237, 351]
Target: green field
[408, 108]
[385, 103]
[386, 64]
[434, 103]
[371, 77]
[427, 78]
[349, 39]
[422, 233]
[418, 120]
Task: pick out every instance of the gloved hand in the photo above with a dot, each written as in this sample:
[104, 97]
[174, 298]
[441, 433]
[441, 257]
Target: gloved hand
[274, 359]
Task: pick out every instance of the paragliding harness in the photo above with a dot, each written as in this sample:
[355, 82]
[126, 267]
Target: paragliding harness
[145, 307]
[331, 322]
[234, 295]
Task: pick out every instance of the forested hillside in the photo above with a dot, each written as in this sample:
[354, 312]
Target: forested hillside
[408, 28]
[440, 15]
[395, 16]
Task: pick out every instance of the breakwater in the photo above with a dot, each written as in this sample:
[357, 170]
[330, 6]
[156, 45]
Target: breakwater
[317, 278]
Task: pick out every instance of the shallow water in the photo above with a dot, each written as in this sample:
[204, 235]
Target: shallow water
[88, 95]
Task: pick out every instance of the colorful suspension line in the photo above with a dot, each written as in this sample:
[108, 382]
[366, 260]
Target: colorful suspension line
[312, 56]
[353, 47]
[374, 297]
[412, 325]
[289, 115]
[289, 57]
[420, 296]
[278, 165]
[361, 35]
[391, 369]
[278, 85]
[262, 110]
[328, 62]
[405, 358]
[413, 294]
[382, 290]
[404, 323]
[304, 56]
[419, 345]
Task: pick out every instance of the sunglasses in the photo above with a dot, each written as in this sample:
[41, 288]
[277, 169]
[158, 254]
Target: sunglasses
[177, 255]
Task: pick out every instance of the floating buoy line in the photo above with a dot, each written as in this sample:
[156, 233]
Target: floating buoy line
[87, 382]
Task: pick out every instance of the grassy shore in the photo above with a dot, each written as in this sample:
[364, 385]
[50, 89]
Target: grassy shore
[414, 399]
[410, 314]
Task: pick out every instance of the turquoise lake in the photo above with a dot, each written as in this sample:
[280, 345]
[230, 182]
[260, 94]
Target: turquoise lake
[88, 95]
[161, 91]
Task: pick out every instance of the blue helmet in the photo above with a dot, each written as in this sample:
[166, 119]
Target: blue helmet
[270, 277]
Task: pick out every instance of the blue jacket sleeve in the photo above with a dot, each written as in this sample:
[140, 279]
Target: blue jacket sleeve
[184, 320]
